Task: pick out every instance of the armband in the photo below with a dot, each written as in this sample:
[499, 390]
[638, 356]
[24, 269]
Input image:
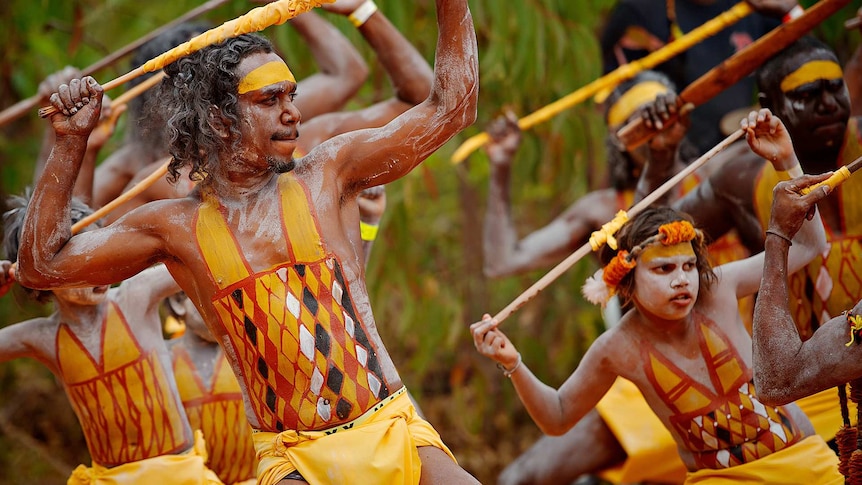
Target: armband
[368, 232]
[364, 11]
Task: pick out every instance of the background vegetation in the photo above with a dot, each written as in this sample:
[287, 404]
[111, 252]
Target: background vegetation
[425, 274]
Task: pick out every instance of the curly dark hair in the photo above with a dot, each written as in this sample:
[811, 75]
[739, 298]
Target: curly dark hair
[644, 225]
[195, 86]
[145, 112]
[13, 223]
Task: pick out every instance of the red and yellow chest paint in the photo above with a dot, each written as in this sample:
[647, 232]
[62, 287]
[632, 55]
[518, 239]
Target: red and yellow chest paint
[125, 402]
[305, 357]
[725, 427]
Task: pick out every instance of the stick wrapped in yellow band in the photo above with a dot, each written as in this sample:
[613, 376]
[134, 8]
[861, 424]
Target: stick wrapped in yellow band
[255, 20]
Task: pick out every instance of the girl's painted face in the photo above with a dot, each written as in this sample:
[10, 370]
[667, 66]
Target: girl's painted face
[667, 280]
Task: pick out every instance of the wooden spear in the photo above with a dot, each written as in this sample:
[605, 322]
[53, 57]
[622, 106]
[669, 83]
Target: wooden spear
[18, 109]
[584, 250]
[256, 19]
[736, 67]
[615, 77]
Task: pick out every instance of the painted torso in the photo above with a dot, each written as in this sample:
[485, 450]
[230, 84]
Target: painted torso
[214, 405]
[301, 350]
[125, 401]
[726, 426]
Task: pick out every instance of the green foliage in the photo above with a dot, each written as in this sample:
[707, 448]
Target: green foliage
[425, 275]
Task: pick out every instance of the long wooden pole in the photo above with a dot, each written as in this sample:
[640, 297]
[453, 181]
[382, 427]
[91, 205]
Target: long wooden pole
[736, 67]
[615, 77]
[123, 198]
[259, 18]
[584, 250]
[21, 107]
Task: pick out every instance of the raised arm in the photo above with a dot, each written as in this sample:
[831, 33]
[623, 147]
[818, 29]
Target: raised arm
[504, 253]
[342, 69]
[785, 367]
[408, 71]
[371, 157]
[49, 257]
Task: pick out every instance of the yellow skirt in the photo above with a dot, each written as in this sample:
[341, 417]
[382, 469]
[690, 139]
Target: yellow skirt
[379, 447]
[184, 469]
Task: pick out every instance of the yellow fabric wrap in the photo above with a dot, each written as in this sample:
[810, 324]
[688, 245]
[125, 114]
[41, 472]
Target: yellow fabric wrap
[810, 72]
[651, 452]
[606, 233]
[376, 448]
[186, 469]
[255, 20]
[637, 96]
[808, 462]
[270, 73]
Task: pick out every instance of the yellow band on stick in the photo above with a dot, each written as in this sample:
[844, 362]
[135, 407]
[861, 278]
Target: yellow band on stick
[255, 20]
[810, 72]
[613, 78]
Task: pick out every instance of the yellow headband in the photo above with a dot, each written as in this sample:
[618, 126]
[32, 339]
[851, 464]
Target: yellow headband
[270, 73]
[639, 95]
[661, 251]
[810, 72]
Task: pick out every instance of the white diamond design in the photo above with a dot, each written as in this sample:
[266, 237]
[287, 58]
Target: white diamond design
[361, 355]
[306, 343]
[777, 430]
[316, 381]
[824, 283]
[323, 409]
[282, 274]
[337, 292]
[374, 384]
[723, 457]
[292, 305]
[349, 325]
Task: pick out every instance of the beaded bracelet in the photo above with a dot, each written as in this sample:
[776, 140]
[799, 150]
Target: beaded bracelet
[508, 373]
[362, 13]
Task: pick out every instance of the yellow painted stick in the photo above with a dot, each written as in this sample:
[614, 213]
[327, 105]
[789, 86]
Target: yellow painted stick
[123, 198]
[615, 77]
[584, 250]
[255, 20]
[838, 177]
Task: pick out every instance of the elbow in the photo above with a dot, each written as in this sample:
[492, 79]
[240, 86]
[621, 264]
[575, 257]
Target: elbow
[493, 270]
[553, 429]
[771, 393]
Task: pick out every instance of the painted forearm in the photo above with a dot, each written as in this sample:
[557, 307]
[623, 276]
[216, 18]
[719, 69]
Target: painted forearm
[47, 225]
[775, 337]
[541, 401]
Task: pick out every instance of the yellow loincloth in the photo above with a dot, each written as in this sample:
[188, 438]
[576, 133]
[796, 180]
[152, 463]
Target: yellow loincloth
[652, 451]
[809, 462]
[186, 469]
[379, 447]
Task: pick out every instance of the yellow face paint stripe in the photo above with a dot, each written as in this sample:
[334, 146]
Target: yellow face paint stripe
[637, 96]
[661, 251]
[270, 73]
[810, 72]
